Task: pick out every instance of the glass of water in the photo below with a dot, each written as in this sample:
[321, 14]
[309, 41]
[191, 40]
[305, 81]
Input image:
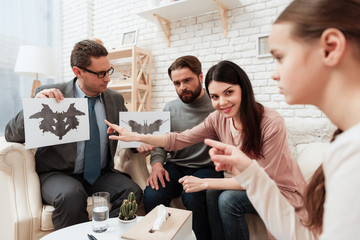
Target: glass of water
[100, 211]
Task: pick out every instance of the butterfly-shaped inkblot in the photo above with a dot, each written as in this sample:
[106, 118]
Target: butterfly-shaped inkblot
[145, 128]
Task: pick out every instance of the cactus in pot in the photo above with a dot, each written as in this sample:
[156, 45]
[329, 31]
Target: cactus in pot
[128, 208]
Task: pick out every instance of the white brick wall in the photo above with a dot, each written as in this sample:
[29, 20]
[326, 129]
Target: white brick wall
[201, 36]
[77, 24]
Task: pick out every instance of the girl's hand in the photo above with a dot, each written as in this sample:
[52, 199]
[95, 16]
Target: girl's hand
[124, 134]
[193, 184]
[228, 157]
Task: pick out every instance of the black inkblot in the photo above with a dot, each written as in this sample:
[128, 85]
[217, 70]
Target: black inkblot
[145, 129]
[58, 123]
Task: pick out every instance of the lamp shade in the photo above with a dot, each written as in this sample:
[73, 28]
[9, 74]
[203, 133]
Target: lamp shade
[33, 60]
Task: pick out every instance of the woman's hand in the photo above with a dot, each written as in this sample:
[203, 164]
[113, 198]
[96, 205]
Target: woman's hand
[228, 157]
[127, 136]
[193, 184]
[144, 148]
[124, 134]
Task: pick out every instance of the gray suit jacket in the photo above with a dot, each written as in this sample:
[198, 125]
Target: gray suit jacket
[61, 158]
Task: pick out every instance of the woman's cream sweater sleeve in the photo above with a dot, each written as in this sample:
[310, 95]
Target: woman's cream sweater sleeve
[277, 213]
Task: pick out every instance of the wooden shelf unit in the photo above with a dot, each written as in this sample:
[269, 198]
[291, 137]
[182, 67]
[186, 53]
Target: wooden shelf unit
[177, 10]
[136, 87]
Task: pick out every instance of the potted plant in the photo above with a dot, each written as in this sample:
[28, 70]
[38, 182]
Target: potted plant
[127, 215]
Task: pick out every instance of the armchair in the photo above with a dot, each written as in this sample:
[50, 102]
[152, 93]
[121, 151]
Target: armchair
[24, 216]
[21, 204]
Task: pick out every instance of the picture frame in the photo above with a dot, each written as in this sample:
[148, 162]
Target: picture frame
[262, 46]
[129, 37]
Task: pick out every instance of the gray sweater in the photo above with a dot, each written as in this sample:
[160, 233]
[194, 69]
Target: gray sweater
[184, 116]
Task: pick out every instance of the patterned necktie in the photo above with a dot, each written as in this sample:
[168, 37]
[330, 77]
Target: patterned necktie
[92, 163]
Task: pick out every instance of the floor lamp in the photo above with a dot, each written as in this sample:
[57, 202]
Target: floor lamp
[35, 61]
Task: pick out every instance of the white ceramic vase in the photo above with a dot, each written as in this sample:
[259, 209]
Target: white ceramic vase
[125, 225]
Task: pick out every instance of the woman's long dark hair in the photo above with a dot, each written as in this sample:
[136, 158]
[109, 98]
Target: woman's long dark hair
[251, 112]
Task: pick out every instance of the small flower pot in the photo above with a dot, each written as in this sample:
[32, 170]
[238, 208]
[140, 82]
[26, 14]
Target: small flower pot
[125, 225]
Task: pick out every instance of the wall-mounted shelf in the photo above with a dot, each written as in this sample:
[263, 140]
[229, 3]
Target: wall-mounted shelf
[164, 14]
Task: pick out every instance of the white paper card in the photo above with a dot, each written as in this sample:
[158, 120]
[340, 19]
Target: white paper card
[154, 123]
[50, 123]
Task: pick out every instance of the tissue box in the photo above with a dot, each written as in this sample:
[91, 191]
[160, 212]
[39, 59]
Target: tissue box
[177, 227]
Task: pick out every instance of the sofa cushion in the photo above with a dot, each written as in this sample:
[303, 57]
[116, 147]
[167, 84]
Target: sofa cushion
[310, 157]
[46, 215]
[46, 221]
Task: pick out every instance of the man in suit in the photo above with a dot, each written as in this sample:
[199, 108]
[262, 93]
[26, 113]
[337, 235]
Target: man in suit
[189, 110]
[66, 176]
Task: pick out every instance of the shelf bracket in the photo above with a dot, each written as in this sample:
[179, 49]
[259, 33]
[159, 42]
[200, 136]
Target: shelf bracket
[223, 11]
[165, 25]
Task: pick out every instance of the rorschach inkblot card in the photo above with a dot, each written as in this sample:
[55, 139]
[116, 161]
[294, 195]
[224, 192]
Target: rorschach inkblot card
[50, 123]
[154, 123]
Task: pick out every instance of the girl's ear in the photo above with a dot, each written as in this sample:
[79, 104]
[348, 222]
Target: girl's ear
[333, 44]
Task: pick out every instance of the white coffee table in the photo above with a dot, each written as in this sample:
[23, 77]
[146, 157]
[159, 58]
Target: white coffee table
[80, 231]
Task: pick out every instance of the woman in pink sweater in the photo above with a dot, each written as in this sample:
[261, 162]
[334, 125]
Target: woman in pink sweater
[242, 122]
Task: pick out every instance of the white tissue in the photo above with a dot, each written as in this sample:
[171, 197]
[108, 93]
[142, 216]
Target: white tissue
[162, 215]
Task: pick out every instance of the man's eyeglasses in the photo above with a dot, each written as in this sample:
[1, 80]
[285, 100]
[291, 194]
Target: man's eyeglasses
[100, 74]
